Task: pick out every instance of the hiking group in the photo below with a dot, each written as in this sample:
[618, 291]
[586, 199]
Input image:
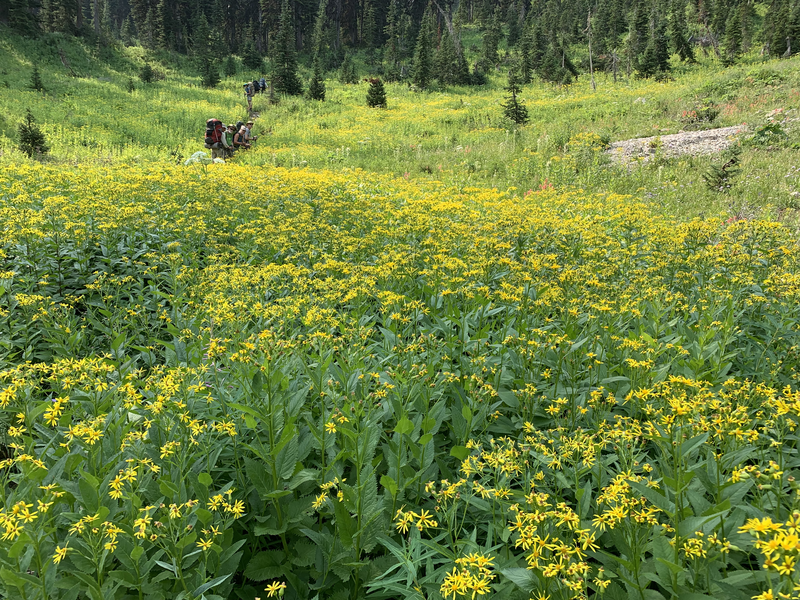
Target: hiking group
[223, 140]
[251, 88]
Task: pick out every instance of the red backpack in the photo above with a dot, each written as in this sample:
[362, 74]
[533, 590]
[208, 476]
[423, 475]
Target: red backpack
[214, 131]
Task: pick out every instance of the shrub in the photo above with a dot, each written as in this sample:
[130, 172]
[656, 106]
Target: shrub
[31, 139]
[147, 75]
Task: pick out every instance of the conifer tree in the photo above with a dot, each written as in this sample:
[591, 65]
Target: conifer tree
[229, 68]
[513, 108]
[491, 41]
[147, 74]
[45, 15]
[515, 25]
[732, 45]
[638, 35]
[678, 31]
[526, 54]
[251, 57]
[746, 19]
[21, 18]
[347, 72]
[450, 66]
[654, 61]
[148, 34]
[31, 139]
[319, 48]
[422, 67]
[391, 50]
[163, 26]
[370, 37]
[36, 80]
[316, 87]
[376, 94]
[210, 73]
[285, 77]
[127, 31]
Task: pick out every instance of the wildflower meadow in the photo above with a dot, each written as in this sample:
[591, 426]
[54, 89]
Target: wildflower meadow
[339, 381]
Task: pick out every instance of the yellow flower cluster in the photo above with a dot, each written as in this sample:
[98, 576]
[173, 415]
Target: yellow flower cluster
[472, 576]
[422, 520]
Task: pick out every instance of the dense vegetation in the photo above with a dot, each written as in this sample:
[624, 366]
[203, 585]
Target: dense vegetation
[420, 351]
[423, 41]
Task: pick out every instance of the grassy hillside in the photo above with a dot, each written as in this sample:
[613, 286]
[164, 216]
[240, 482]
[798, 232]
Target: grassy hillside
[456, 135]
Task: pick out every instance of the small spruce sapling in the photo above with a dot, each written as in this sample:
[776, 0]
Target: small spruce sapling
[36, 80]
[210, 74]
[376, 95]
[229, 68]
[719, 177]
[147, 74]
[347, 72]
[31, 139]
[513, 108]
[316, 87]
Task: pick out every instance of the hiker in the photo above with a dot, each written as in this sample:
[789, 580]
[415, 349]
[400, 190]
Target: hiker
[263, 85]
[240, 139]
[249, 132]
[213, 140]
[227, 141]
[249, 91]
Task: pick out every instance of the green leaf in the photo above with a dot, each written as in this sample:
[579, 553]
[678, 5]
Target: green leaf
[656, 498]
[16, 579]
[89, 497]
[204, 515]
[459, 452]
[211, 584]
[169, 489]
[118, 341]
[258, 384]
[404, 426]
[205, 479]
[345, 523]
[509, 398]
[136, 553]
[390, 484]
[692, 443]
[423, 441]
[522, 578]
[287, 459]
[258, 476]
[267, 564]
[466, 413]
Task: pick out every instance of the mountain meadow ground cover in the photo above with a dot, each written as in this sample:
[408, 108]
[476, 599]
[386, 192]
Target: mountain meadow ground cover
[412, 353]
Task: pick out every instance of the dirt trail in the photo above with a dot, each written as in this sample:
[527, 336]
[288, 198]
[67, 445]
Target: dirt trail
[687, 142]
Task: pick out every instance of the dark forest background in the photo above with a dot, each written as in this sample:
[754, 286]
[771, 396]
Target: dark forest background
[422, 39]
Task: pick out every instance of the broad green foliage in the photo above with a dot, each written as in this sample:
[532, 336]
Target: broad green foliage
[320, 385]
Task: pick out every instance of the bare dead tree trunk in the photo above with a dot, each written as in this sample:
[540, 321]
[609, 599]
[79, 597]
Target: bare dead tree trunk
[591, 66]
[96, 16]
